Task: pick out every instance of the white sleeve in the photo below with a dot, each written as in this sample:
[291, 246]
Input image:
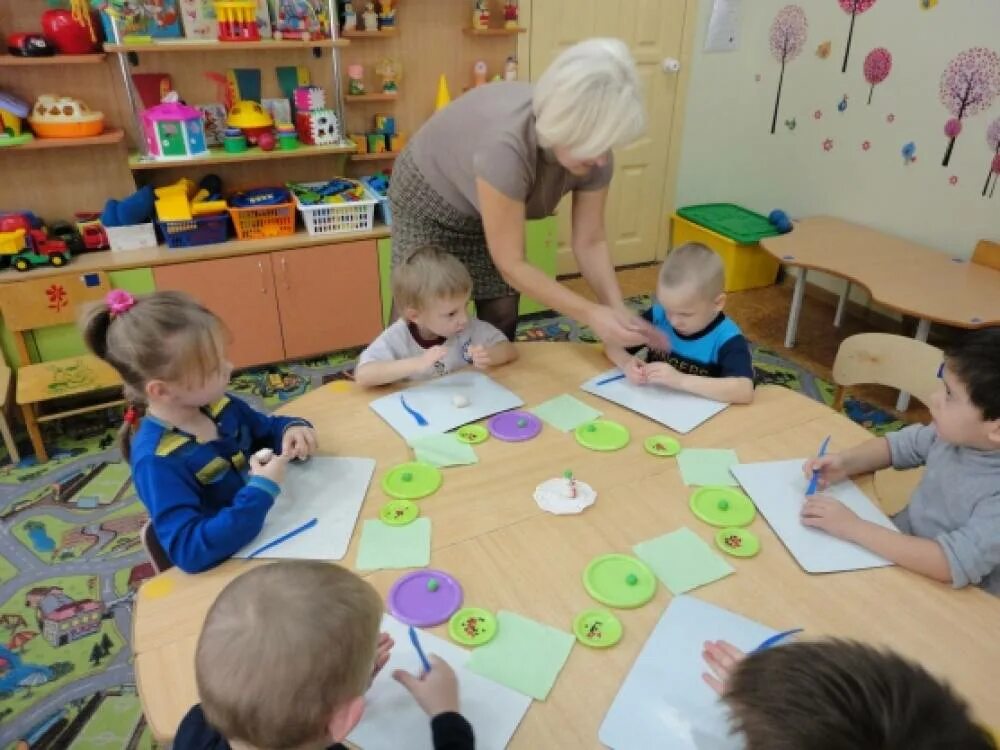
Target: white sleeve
[382, 349]
[484, 334]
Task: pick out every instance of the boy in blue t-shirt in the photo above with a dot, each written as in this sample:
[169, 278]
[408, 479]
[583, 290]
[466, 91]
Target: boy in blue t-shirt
[708, 355]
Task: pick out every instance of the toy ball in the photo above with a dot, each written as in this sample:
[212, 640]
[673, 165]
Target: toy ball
[266, 141]
[780, 221]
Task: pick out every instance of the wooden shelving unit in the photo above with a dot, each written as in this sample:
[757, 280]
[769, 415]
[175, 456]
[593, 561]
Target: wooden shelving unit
[380, 34]
[13, 61]
[265, 45]
[384, 156]
[494, 32]
[219, 156]
[112, 135]
[379, 97]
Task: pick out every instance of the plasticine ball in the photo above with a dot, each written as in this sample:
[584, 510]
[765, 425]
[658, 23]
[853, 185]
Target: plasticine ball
[266, 141]
[780, 221]
[723, 505]
[632, 579]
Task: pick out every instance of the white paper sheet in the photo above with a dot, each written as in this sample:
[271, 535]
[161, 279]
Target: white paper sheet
[434, 401]
[681, 412]
[778, 489]
[330, 490]
[664, 703]
[393, 720]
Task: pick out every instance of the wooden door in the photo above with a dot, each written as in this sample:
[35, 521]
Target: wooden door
[328, 296]
[241, 292]
[654, 31]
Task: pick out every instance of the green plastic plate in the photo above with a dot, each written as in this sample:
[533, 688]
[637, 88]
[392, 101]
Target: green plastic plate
[597, 628]
[602, 435]
[722, 506]
[411, 481]
[619, 581]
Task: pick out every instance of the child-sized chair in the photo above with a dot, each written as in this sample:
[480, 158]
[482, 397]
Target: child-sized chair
[41, 303]
[8, 436]
[987, 254]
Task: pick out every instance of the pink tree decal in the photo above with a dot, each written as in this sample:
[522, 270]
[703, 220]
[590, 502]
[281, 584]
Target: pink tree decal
[878, 63]
[993, 141]
[855, 8]
[969, 85]
[788, 37]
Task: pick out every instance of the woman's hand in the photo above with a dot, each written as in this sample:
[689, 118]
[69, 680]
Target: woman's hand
[624, 328]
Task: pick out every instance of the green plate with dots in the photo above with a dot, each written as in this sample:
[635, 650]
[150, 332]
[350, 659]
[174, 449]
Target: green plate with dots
[473, 434]
[399, 512]
[602, 435]
[662, 445]
[597, 628]
[472, 626]
[722, 506]
[738, 542]
[619, 581]
[411, 481]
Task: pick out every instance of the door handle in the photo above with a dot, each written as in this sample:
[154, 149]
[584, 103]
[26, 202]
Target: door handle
[284, 273]
[263, 282]
[671, 65]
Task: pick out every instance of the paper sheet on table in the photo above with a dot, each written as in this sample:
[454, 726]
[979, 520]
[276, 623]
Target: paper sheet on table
[681, 412]
[565, 412]
[443, 450]
[433, 400]
[707, 467]
[393, 720]
[778, 490]
[328, 489]
[682, 560]
[394, 547]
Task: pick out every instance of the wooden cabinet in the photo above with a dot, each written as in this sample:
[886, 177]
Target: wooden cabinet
[290, 303]
[328, 297]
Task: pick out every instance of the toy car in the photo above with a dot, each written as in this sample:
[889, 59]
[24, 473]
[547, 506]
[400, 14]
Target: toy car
[29, 45]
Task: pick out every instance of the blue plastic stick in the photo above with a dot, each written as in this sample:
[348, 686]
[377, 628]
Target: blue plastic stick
[811, 489]
[776, 639]
[610, 379]
[420, 652]
[294, 532]
[421, 420]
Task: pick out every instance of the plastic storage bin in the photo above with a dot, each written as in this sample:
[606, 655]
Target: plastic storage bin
[337, 218]
[261, 222]
[201, 230]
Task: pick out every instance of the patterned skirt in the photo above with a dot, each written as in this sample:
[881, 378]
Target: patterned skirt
[422, 217]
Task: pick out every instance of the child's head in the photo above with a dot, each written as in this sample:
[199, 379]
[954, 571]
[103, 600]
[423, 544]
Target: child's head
[690, 288]
[828, 695]
[966, 409]
[431, 288]
[165, 346]
[286, 654]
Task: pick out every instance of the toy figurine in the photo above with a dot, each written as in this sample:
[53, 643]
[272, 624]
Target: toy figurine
[356, 80]
[391, 73]
[510, 69]
[350, 18]
[481, 15]
[370, 18]
[479, 74]
[510, 14]
[386, 15]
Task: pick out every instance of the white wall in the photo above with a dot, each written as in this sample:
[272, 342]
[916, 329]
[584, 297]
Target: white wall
[729, 154]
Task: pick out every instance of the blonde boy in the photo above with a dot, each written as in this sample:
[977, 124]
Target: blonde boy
[286, 655]
[435, 334]
[708, 354]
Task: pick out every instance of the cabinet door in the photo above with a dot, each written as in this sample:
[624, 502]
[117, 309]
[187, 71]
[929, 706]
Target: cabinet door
[328, 296]
[241, 292]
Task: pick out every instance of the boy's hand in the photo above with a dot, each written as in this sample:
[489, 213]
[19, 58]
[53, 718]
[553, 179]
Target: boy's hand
[830, 515]
[298, 442]
[382, 650]
[831, 469]
[635, 371]
[436, 691]
[273, 469]
[432, 355]
[722, 658]
[661, 373]
[480, 357]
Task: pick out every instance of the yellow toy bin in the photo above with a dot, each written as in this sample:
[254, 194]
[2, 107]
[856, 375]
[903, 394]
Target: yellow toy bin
[747, 266]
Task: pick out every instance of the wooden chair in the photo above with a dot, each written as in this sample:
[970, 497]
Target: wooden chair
[40, 303]
[8, 436]
[987, 254]
[885, 359]
[154, 550]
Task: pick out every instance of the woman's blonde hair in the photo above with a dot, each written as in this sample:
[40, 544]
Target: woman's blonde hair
[589, 99]
[161, 336]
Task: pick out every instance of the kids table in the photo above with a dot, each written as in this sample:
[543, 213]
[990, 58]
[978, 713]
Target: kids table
[508, 554]
[902, 275]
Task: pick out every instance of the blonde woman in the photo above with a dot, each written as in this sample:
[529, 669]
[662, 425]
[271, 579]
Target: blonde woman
[507, 152]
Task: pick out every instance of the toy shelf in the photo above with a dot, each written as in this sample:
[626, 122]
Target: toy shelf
[379, 97]
[13, 61]
[269, 45]
[380, 34]
[112, 135]
[494, 32]
[219, 156]
[384, 156]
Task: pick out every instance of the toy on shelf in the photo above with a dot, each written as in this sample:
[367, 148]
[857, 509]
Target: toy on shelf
[25, 243]
[300, 19]
[479, 74]
[72, 31]
[192, 214]
[350, 18]
[288, 137]
[318, 127]
[138, 20]
[84, 234]
[370, 18]
[510, 14]
[237, 20]
[262, 212]
[128, 222]
[481, 15]
[251, 118]
[391, 72]
[443, 98]
[233, 141]
[307, 98]
[174, 130]
[12, 114]
[510, 69]
[386, 14]
[378, 186]
[64, 117]
[360, 142]
[29, 45]
[279, 108]
[340, 205]
[356, 80]
[199, 19]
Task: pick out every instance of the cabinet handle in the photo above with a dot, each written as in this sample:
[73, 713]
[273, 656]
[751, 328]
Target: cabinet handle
[284, 272]
[263, 283]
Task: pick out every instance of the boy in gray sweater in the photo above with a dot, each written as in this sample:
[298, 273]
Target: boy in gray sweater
[952, 524]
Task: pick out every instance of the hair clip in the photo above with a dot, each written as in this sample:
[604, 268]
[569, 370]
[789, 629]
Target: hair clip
[119, 301]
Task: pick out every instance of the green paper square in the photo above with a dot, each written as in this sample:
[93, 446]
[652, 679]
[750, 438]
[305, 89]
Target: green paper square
[525, 655]
[682, 560]
[443, 450]
[707, 467]
[566, 412]
[383, 546]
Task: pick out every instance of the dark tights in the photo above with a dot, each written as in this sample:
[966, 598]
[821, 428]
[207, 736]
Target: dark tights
[500, 312]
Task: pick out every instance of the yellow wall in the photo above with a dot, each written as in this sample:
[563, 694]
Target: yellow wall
[729, 154]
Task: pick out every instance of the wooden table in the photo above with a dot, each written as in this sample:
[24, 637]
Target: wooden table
[902, 275]
[491, 535]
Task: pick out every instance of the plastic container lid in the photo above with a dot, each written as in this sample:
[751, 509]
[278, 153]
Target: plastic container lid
[735, 222]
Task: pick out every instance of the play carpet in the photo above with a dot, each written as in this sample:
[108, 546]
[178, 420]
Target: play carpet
[70, 557]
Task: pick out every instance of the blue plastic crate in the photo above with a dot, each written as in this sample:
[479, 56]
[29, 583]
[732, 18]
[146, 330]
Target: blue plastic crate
[201, 230]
